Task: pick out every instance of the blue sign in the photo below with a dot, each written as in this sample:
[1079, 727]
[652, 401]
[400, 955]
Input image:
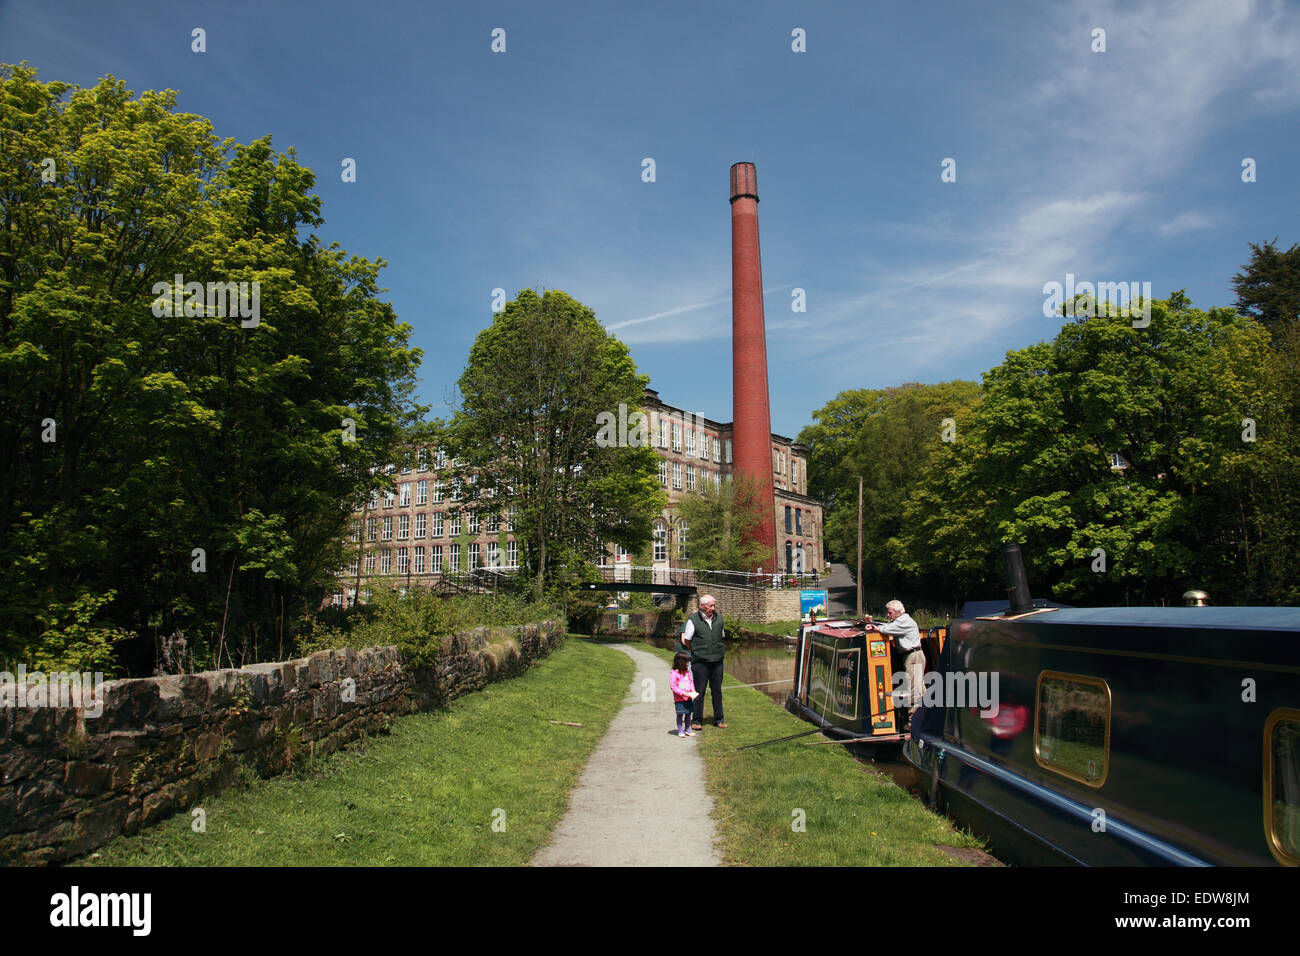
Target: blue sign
[812, 602]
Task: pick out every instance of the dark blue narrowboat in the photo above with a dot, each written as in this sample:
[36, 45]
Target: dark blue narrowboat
[1162, 736]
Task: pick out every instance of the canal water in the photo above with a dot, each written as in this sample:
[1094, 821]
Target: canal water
[770, 666]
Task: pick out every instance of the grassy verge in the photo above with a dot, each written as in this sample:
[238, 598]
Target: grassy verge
[428, 794]
[851, 815]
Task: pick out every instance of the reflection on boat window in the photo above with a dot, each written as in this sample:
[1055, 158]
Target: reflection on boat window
[1282, 785]
[1072, 726]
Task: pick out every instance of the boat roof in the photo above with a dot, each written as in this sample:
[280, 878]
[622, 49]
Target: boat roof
[1227, 618]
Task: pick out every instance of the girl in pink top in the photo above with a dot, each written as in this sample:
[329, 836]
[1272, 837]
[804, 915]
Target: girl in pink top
[683, 687]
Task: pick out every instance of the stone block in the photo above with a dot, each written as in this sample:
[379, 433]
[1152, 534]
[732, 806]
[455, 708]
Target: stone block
[96, 826]
[207, 746]
[83, 778]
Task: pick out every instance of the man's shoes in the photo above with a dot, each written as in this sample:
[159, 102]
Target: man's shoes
[721, 723]
[697, 726]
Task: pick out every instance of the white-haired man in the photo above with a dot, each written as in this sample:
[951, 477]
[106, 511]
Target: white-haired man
[702, 636]
[907, 636]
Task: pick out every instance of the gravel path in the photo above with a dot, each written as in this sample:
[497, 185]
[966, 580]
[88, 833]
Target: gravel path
[641, 799]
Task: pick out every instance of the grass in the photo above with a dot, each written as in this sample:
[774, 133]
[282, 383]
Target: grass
[771, 627]
[428, 794]
[852, 816]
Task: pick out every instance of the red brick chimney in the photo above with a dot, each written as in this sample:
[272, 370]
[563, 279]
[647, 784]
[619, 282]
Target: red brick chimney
[751, 416]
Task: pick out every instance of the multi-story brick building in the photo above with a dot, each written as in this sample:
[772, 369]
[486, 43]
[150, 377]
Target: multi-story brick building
[421, 531]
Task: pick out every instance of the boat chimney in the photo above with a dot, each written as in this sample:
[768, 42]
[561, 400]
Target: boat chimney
[1017, 583]
[1196, 598]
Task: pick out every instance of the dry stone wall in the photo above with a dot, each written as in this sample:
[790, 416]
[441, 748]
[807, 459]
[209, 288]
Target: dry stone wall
[71, 781]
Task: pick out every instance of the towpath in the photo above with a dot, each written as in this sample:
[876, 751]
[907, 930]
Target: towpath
[641, 800]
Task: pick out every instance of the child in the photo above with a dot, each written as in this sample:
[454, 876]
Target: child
[683, 687]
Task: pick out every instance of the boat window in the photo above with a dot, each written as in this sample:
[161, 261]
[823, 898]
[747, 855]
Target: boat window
[1072, 726]
[1282, 784]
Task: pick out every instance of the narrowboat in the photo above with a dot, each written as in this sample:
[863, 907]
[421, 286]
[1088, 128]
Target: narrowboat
[1165, 736]
[844, 681]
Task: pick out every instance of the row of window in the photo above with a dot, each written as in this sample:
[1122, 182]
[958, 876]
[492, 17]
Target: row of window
[402, 497]
[703, 475]
[698, 443]
[420, 459]
[433, 525]
[661, 540]
[779, 459]
[798, 521]
[492, 555]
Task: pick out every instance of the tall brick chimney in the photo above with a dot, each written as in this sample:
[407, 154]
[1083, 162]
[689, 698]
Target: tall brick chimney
[752, 418]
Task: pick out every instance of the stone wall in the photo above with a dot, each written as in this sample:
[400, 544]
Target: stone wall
[71, 781]
[759, 605]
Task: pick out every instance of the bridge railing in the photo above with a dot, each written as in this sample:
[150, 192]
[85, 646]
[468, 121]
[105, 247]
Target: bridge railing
[699, 577]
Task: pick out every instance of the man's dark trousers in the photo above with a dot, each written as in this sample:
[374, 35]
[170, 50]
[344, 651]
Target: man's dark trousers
[707, 672]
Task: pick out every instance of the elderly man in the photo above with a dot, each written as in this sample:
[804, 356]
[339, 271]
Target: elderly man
[907, 636]
[702, 636]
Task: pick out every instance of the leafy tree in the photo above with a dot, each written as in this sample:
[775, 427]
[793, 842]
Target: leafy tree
[191, 471]
[1269, 290]
[533, 393]
[1032, 464]
[723, 522]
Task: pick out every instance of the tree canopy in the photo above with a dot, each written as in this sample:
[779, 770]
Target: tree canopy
[167, 470]
[539, 382]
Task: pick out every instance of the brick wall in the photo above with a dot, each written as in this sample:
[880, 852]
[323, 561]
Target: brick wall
[760, 605]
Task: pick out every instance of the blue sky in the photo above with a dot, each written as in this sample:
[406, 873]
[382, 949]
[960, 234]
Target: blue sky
[478, 170]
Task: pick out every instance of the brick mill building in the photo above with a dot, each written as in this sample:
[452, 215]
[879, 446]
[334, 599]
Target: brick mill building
[423, 533]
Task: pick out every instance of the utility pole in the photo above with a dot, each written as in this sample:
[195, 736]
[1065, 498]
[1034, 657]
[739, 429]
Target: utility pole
[859, 546]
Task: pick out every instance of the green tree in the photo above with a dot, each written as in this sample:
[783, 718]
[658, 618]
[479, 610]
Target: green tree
[165, 472]
[539, 382]
[722, 523]
[1033, 464]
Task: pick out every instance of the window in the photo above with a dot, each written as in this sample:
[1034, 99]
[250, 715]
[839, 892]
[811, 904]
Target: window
[677, 475]
[403, 526]
[663, 432]
[798, 521]
[492, 522]
[717, 450]
[473, 555]
[677, 436]
[620, 553]
[690, 441]
[385, 561]
[406, 462]
[1072, 726]
[440, 459]
[354, 566]
[728, 451]
[372, 528]
[717, 481]
[787, 519]
[704, 447]
[682, 551]
[437, 491]
[435, 559]
[663, 472]
[453, 555]
[661, 541]
[455, 489]
[401, 560]
[789, 558]
[355, 529]
[374, 498]
[794, 471]
[437, 525]
[690, 477]
[512, 554]
[422, 492]
[388, 528]
[473, 522]
[419, 559]
[370, 562]
[389, 497]
[512, 518]
[455, 524]
[798, 559]
[1282, 785]
[422, 459]
[420, 520]
[337, 599]
[405, 500]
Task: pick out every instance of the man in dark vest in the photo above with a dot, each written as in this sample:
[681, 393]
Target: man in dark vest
[702, 636]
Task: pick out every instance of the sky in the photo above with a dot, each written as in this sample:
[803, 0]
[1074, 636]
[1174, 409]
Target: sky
[478, 170]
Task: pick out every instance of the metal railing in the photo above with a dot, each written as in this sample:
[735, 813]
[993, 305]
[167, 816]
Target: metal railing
[695, 577]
